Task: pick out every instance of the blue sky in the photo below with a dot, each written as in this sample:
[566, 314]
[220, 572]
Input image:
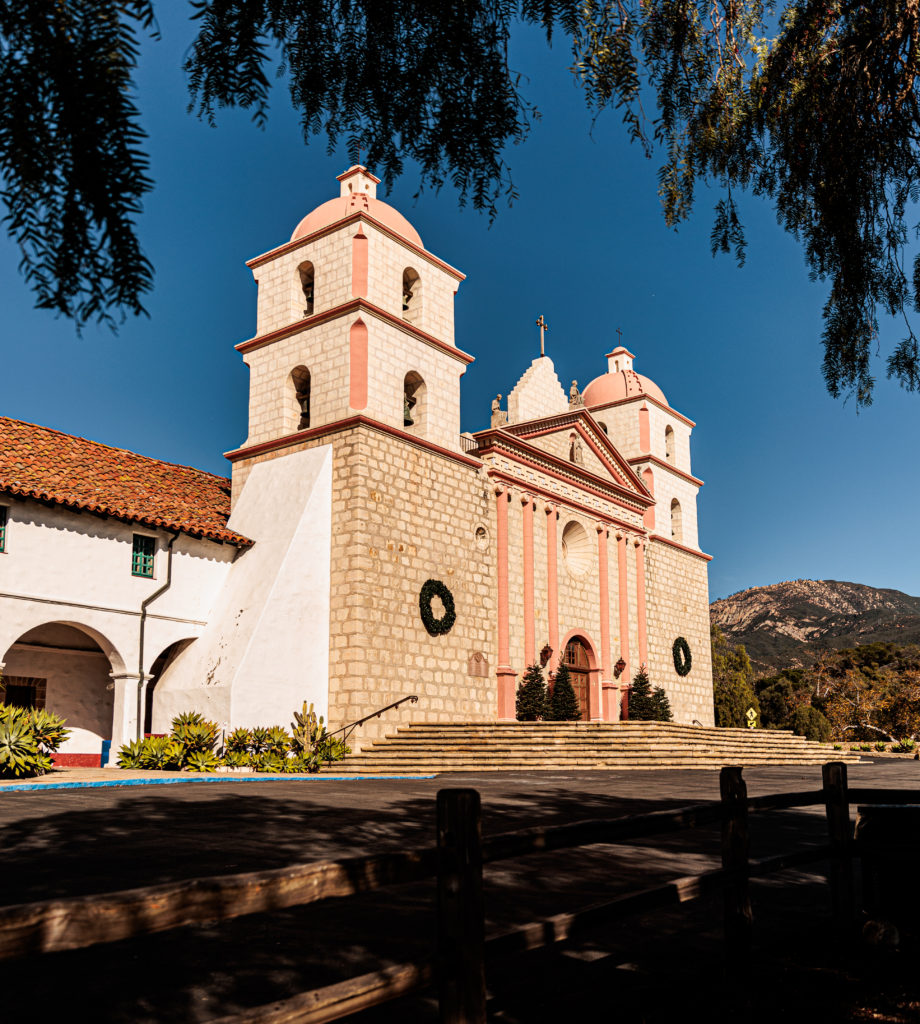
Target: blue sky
[797, 484]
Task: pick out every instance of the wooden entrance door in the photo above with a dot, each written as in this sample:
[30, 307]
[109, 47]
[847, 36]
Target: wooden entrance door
[576, 658]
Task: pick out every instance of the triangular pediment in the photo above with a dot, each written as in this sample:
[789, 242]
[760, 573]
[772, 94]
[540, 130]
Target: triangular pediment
[576, 440]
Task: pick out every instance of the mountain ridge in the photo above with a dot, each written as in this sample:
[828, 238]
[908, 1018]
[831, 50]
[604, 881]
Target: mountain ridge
[792, 623]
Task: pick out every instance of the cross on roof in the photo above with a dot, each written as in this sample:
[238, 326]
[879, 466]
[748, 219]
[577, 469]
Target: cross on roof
[542, 324]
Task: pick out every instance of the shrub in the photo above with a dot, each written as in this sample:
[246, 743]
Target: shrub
[20, 756]
[810, 723]
[239, 741]
[662, 706]
[562, 705]
[188, 718]
[202, 761]
[28, 738]
[259, 740]
[278, 741]
[236, 758]
[530, 704]
[905, 747]
[330, 748]
[161, 753]
[310, 742]
[268, 763]
[881, 746]
[129, 756]
[199, 737]
[302, 764]
[642, 707]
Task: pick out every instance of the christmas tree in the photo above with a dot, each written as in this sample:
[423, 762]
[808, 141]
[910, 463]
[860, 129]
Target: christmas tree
[662, 705]
[642, 704]
[531, 697]
[563, 704]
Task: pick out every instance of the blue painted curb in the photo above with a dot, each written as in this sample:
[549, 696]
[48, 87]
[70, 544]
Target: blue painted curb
[26, 787]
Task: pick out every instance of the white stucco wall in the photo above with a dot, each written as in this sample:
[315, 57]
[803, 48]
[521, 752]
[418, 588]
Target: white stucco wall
[265, 649]
[66, 567]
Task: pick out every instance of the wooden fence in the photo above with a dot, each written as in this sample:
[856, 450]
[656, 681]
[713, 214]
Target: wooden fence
[463, 952]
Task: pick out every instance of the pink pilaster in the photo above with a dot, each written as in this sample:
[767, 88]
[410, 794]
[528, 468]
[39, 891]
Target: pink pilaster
[504, 672]
[529, 644]
[648, 517]
[607, 686]
[640, 602]
[623, 600]
[552, 585]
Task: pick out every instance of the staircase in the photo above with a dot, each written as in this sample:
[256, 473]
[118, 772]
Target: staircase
[560, 746]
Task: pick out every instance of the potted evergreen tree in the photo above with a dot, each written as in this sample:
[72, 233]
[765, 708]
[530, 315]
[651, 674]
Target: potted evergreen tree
[530, 705]
[563, 704]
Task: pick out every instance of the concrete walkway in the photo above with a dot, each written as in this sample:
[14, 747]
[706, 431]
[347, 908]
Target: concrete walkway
[63, 842]
[81, 778]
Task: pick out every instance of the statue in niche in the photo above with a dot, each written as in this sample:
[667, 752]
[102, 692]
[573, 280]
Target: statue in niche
[577, 454]
[303, 400]
[499, 417]
[575, 399]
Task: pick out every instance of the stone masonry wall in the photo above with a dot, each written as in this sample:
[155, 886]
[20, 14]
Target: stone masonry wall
[678, 605]
[402, 515]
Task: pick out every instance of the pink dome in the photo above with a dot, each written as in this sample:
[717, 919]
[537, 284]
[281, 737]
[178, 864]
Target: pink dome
[613, 387]
[344, 206]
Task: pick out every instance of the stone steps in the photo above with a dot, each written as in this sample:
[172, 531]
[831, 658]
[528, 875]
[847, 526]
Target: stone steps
[424, 748]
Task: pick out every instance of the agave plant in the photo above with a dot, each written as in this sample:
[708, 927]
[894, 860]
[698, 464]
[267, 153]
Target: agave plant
[199, 736]
[279, 740]
[302, 764]
[161, 753]
[19, 751]
[48, 729]
[260, 739]
[236, 758]
[239, 741]
[188, 718]
[9, 712]
[129, 756]
[268, 763]
[202, 761]
[330, 748]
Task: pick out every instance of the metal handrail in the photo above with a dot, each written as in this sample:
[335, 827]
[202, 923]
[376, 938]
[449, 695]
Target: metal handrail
[350, 728]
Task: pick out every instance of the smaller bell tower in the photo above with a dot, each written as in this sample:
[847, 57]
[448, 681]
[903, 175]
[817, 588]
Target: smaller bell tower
[355, 319]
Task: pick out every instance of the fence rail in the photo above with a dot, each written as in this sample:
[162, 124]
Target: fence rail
[456, 863]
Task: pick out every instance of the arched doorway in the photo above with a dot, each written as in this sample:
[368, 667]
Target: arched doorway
[163, 660]
[62, 667]
[575, 657]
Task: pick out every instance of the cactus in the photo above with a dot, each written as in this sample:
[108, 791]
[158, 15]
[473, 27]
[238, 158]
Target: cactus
[307, 729]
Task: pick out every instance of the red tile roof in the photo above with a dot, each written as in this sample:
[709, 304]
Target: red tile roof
[38, 462]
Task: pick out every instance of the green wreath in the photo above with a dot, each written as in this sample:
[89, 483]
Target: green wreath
[683, 660]
[436, 627]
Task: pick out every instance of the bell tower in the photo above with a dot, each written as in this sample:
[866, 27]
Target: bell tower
[355, 319]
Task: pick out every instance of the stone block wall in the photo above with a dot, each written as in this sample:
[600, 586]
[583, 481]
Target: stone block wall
[678, 605]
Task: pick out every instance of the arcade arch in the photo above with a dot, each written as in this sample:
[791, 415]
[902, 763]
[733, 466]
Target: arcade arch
[67, 667]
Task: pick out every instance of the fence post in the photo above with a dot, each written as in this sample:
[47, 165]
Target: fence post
[840, 872]
[735, 843]
[461, 972]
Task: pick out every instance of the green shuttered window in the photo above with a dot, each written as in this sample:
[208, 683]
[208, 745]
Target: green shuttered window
[142, 555]
[3, 511]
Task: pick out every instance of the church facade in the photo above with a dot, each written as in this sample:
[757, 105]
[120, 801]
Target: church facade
[367, 549]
